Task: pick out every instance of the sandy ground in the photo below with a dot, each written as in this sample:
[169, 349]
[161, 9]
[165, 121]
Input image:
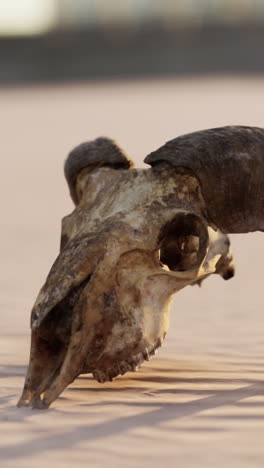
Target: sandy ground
[200, 402]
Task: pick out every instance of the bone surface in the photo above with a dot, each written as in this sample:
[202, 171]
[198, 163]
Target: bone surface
[135, 237]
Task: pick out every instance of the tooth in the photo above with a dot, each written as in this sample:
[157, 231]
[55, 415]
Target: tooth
[146, 355]
[100, 376]
[159, 343]
[134, 367]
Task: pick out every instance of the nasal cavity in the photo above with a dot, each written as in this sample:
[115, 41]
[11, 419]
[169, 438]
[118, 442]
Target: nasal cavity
[182, 242]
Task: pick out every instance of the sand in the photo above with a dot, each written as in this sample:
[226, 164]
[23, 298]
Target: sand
[200, 401]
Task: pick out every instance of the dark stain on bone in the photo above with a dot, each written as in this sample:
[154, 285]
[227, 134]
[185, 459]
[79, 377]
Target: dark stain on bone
[58, 322]
[109, 299]
[64, 241]
[229, 274]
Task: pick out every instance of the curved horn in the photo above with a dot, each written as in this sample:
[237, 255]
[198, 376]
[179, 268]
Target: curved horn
[229, 164]
[97, 153]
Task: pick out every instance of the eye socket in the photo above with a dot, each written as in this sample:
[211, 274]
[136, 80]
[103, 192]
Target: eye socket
[183, 242]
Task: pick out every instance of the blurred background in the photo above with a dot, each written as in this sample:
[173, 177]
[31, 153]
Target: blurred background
[51, 40]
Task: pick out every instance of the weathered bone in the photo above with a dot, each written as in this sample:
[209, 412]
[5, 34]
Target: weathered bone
[136, 237]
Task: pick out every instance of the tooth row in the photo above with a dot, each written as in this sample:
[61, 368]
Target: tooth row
[123, 366]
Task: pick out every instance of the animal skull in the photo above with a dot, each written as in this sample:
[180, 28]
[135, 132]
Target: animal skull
[136, 237]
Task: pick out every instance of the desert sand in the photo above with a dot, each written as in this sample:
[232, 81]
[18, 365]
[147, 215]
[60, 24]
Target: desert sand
[200, 401]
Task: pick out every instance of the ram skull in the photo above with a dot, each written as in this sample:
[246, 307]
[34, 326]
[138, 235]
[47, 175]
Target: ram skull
[136, 237]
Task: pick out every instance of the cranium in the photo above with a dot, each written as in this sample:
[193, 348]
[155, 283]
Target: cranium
[136, 237]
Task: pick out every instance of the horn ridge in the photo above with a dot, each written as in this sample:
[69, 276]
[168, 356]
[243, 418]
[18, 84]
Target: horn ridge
[102, 151]
[229, 164]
